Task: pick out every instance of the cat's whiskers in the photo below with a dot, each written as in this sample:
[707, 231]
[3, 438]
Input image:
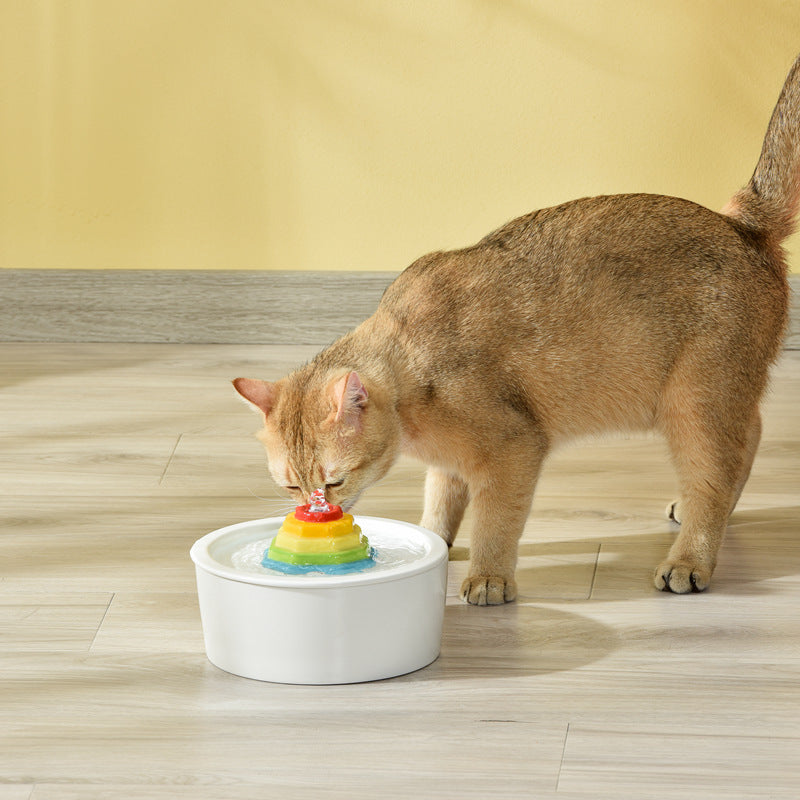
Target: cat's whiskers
[276, 497]
[278, 504]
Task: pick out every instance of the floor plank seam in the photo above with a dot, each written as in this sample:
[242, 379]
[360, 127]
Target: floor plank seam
[594, 571]
[563, 753]
[169, 460]
[102, 620]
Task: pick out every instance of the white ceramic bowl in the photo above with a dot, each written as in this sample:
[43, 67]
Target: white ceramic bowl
[322, 628]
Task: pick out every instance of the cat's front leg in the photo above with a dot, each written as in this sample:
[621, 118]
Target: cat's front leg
[446, 499]
[499, 519]
[501, 502]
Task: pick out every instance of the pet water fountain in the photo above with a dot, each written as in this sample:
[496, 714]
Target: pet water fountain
[321, 596]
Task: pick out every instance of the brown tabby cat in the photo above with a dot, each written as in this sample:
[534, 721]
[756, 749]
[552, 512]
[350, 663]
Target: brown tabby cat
[621, 313]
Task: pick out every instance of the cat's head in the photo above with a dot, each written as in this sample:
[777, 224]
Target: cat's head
[325, 431]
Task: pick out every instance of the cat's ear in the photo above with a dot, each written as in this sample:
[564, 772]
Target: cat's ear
[260, 394]
[349, 397]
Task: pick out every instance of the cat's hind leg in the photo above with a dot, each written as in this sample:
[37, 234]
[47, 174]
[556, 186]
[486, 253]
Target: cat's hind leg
[753, 440]
[674, 510]
[713, 450]
[446, 499]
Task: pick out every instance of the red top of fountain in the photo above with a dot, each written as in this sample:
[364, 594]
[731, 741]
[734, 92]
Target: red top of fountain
[318, 509]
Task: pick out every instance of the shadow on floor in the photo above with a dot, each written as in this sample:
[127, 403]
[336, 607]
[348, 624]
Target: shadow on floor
[516, 640]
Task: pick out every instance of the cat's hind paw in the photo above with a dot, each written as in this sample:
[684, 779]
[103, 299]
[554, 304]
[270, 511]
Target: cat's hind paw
[491, 590]
[674, 512]
[681, 577]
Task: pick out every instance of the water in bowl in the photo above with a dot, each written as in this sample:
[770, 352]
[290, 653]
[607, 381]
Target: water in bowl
[386, 555]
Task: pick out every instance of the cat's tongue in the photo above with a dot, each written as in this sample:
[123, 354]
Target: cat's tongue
[318, 509]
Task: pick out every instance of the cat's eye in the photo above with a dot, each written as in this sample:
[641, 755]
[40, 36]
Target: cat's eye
[334, 485]
[292, 488]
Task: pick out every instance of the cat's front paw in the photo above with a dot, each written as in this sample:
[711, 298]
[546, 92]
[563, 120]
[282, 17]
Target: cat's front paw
[488, 590]
[681, 577]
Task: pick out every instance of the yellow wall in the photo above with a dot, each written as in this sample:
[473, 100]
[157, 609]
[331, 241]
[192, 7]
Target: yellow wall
[358, 134]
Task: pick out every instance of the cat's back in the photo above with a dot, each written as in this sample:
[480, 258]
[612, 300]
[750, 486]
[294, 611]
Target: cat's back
[634, 246]
[617, 235]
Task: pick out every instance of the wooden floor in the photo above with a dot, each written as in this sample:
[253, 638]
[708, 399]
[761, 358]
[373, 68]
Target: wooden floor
[115, 458]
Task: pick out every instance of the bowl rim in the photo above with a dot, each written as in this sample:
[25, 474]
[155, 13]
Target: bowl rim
[199, 553]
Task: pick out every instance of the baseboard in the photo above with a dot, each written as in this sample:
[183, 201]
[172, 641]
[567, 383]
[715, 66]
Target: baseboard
[203, 306]
[793, 335]
[187, 306]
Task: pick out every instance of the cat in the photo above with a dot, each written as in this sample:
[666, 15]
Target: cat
[615, 313]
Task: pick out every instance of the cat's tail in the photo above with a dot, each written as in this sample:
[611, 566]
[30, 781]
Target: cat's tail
[768, 205]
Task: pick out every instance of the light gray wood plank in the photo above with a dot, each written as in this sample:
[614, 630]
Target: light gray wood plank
[546, 571]
[20, 791]
[317, 744]
[31, 466]
[599, 760]
[168, 621]
[54, 622]
[108, 543]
